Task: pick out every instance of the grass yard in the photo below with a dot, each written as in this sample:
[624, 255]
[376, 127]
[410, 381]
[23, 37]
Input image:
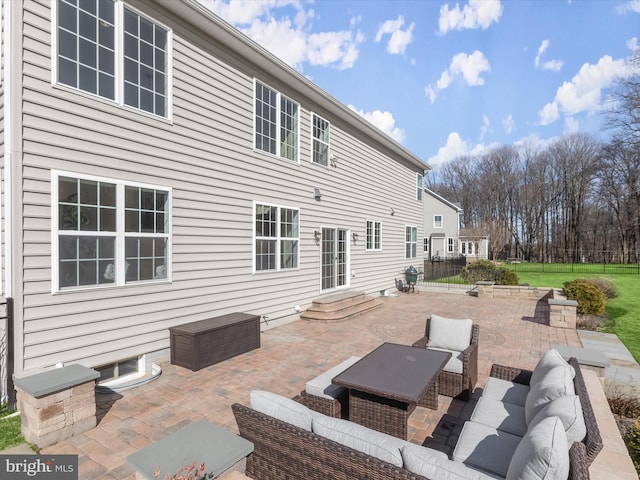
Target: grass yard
[623, 311]
[10, 435]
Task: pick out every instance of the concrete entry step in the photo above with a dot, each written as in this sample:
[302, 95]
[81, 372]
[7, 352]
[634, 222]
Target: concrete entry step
[339, 306]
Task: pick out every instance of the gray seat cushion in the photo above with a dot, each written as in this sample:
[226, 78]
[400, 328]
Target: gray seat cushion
[504, 391]
[434, 464]
[321, 386]
[485, 448]
[449, 333]
[454, 365]
[558, 382]
[569, 410]
[500, 415]
[542, 454]
[282, 408]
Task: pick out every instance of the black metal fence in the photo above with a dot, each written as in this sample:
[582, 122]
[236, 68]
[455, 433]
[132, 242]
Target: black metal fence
[581, 268]
[444, 273]
[7, 390]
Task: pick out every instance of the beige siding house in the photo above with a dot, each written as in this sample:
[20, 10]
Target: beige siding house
[159, 168]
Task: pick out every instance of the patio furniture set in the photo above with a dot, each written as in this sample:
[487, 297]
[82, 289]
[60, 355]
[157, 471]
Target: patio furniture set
[351, 421]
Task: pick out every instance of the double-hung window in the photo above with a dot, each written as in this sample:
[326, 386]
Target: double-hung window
[105, 48]
[450, 245]
[108, 232]
[437, 221]
[410, 241]
[374, 235]
[321, 131]
[276, 123]
[419, 186]
[276, 237]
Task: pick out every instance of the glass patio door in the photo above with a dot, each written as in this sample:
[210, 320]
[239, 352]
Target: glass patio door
[334, 258]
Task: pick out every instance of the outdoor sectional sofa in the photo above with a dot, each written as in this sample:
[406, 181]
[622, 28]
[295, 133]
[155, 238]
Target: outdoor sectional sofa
[292, 441]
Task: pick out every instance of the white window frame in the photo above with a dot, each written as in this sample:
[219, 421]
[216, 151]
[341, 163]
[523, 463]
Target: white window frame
[279, 239]
[436, 223]
[120, 234]
[375, 238]
[419, 186]
[425, 244]
[278, 126]
[316, 140]
[119, 11]
[450, 245]
[411, 242]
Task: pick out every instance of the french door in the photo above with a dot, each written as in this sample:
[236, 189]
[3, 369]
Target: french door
[334, 262]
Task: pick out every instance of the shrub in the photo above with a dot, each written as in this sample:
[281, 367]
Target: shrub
[591, 301]
[606, 286]
[632, 440]
[486, 270]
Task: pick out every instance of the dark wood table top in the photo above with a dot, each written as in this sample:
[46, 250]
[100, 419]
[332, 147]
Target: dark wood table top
[395, 371]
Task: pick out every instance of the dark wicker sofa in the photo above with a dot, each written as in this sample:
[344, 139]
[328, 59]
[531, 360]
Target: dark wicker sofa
[283, 451]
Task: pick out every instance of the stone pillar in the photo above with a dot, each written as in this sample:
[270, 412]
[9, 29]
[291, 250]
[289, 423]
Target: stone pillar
[57, 404]
[562, 313]
[485, 289]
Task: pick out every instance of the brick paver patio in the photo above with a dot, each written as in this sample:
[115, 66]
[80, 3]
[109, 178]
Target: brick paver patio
[512, 332]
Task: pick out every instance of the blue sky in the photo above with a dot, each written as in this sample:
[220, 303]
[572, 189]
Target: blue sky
[454, 78]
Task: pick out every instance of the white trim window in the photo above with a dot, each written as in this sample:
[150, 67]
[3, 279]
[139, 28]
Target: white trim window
[450, 245]
[320, 137]
[419, 186]
[276, 237]
[437, 221]
[107, 49]
[108, 232]
[277, 120]
[410, 241]
[374, 236]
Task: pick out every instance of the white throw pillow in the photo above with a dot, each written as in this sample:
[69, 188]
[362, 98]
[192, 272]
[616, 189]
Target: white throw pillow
[373, 443]
[569, 410]
[542, 454]
[555, 384]
[449, 333]
[549, 360]
[282, 408]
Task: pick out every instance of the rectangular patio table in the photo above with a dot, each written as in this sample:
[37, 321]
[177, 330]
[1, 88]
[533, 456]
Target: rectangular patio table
[386, 385]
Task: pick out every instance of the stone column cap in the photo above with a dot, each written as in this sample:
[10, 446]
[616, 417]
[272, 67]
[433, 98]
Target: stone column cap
[55, 379]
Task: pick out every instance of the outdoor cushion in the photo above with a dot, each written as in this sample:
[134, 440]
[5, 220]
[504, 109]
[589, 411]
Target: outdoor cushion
[505, 391]
[282, 408]
[500, 415]
[434, 464]
[486, 448]
[449, 333]
[549, 360]
[542, 453]
[321, 386]
[569, 410]
[556, 383]
[454, 365]
[373, 443]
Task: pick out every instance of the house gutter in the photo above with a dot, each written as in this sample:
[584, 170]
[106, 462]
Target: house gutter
[196, 14]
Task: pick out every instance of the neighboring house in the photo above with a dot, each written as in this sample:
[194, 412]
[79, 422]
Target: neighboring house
[441, 227]
[443, 237]
[159, 168]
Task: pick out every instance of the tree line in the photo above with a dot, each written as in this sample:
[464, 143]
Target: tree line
[575, 199]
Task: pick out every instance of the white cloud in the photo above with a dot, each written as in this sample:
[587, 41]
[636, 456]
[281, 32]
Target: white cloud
[583, 92]
[286, 36]
[553, 65]
[476, 14]
[384, 121]
[632, 6]
[469, 67]
[632, 44]
[571, 125]
[456, 147]
[508, 123]
[399, 39]
[485, 128]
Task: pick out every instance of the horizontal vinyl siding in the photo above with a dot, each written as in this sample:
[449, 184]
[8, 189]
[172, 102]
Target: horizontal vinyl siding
[205, 154]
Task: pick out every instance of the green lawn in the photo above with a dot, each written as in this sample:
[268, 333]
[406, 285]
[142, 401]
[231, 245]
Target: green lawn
[10, 435]
[624, 311]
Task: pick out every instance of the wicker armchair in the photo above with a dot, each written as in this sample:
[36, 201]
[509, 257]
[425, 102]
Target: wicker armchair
[455, 384]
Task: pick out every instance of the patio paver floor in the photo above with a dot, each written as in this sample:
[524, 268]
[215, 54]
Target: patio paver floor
[512, 332]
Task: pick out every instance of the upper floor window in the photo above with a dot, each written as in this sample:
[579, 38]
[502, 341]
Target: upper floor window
[277, 236]
[419, 186]
[276, 123]
[437, 221]
[410, 241]
[108, 232]
[374, 235]
[321, 137]
[114, 53]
